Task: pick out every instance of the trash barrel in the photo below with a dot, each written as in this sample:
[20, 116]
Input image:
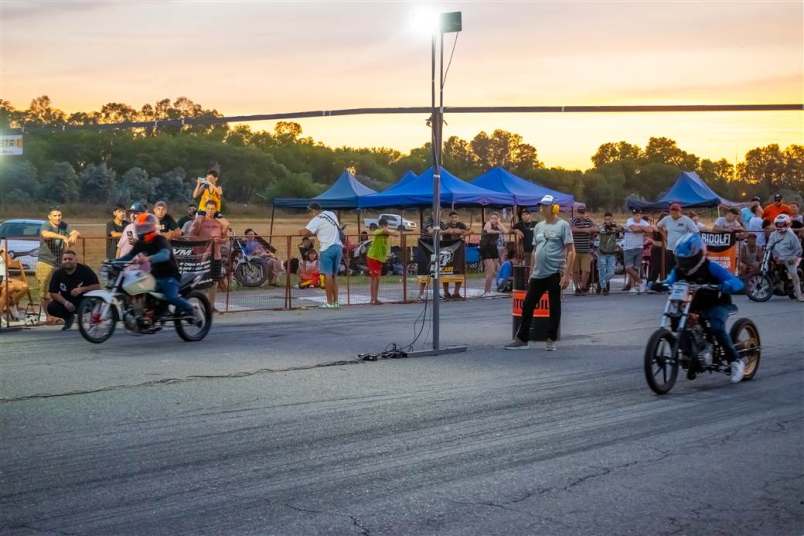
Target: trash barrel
[541, 314]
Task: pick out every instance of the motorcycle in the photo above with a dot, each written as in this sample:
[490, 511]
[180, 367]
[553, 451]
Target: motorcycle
[684, 340]
[129, 296]
[248, 270]
[772, 279]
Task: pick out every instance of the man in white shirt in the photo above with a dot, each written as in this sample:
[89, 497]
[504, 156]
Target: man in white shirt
[129, 237]
[325, 226]
[674, 227]
[633, 243]
[729, 223]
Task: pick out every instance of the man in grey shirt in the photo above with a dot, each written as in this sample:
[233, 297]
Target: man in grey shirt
[786, 250]
[553, 253]
[674, 227]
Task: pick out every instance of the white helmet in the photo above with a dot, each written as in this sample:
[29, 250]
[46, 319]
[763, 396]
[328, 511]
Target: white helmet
[782, 221]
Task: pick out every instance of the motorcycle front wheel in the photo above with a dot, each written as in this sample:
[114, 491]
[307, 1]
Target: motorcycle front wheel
[250, 274]
[661, 362]
[96, 319]
[745, 337]
[759, 288]
[190, 331]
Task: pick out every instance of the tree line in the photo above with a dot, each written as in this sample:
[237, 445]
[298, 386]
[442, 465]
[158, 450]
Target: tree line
[161, 162]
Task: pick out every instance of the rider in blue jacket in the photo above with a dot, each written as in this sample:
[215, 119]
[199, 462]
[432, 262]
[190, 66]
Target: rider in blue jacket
[693, 266]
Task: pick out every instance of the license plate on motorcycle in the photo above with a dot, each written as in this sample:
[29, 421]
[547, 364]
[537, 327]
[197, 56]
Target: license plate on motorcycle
[680, 292]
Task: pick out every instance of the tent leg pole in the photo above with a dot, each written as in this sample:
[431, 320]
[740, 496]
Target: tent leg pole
[271, 230]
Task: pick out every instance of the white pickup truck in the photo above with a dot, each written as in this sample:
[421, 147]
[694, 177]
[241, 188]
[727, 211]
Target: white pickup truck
[394, 222]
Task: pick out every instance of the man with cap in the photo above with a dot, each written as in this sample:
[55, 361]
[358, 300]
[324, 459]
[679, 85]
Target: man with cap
[129, 237]
[674, 227]
[325, 226]
[553, 258]
[774, 209]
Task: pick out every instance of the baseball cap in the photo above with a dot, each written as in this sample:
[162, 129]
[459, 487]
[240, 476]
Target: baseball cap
[548, 200]
[777, 197]
[313, 206]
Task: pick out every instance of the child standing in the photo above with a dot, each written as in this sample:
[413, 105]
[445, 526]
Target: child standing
[376, 256]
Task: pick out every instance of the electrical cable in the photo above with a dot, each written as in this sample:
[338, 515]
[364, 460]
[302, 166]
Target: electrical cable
[449, 63]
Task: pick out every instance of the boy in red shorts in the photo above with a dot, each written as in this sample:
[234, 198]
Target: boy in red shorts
[376, 256]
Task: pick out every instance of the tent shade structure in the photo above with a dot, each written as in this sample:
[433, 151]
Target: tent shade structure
[418, 192]
[404, 179]
[689, 190]
[524, 192]
[343, 194]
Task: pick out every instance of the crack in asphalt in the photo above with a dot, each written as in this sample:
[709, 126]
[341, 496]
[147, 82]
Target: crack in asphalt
[364, 531]
[191, 378]
[28, 526]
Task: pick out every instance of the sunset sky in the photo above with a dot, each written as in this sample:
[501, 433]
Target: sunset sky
[264, 57]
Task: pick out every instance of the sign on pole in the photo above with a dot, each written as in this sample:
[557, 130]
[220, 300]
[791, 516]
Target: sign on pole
[11, 144]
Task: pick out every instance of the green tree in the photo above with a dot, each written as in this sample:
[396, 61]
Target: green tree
[60, 183]
[18, 181]
[665, 151]
[764, 167]
[96, 182]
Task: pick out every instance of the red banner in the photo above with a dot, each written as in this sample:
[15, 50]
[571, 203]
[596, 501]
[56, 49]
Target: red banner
[722, 249]
[542, 310]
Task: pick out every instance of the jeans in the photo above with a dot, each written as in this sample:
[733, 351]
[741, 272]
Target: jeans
[169, 286]
[536, 287]
[717, 317]
[606, 264]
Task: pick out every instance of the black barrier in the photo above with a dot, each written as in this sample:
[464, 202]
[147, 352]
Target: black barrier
[541, 314]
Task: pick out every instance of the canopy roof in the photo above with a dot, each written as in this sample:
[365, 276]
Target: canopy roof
[524, 192]
[689, 190]
[404, 179]
[418, 191]
[345, 193]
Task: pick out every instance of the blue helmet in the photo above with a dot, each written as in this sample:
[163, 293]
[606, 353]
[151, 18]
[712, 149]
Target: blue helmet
[690, 253]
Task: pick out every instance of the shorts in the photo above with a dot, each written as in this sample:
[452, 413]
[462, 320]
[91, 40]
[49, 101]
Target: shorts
[330, 260]
[44, 273]
[489, 250]
[583, 262]
[374, 267]
[632, 258]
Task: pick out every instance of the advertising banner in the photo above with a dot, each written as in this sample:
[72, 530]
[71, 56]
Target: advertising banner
[11, 144]
[722, 249]
[194, 257]
[451, 259]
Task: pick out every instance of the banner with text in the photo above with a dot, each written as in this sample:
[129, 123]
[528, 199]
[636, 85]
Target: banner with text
[722, 249]
[194, 257]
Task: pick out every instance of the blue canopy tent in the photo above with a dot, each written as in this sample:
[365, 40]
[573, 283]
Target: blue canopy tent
[418, 192]
[345, 193]
[524, 192]
[689, 190]
[404, 179]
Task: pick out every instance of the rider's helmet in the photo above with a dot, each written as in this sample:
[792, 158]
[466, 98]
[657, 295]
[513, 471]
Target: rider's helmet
[690, 253]
[138, 208]
[782, 222]
[145, 226]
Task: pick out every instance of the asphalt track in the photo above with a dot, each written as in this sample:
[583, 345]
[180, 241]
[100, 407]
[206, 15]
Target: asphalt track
[271, 427]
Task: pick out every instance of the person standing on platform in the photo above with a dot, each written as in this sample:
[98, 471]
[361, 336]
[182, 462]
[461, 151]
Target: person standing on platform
[523, 229]
[553, 257]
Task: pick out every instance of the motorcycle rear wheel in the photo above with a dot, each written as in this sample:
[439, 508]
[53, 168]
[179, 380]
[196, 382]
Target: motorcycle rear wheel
[759, 288]
[91, 316]
[661, 361]
[192, 333]
[745, 336]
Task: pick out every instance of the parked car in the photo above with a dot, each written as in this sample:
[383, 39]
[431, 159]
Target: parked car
[395, 221]
[23, 241]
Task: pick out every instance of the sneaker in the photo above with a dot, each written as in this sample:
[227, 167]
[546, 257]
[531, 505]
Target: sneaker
[457, 296]
[550, 345]
[633, 290]
[325, 306]
[737, 371]
[516, 344]
[606, 290]
[68, 322]
[643, 288]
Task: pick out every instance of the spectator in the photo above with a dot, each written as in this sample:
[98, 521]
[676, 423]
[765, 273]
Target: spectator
[16, 288]
[746, 213]
[208, 225]
[656, 253]
[166, 225]
[505, 275]
[67, 286]
[523, 229]
[305, 246]
[325, 226]
[750, 256]
[695, 218]
[376, 257]
[454, 230]
[553, 253]
[607, 252]
[188, 217]
[309, 276]
[583, 232]
[114, 230]
[254, 245]
[636, 229]
[777, 207]
[492, 234]
[56, 235]
[207, 189]
[787, 251]
[129, 236]
[675, 226]
[729, 223]
[756, 226]
[796, 220]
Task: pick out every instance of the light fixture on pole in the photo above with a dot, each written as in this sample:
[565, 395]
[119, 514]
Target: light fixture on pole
[438, 26]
